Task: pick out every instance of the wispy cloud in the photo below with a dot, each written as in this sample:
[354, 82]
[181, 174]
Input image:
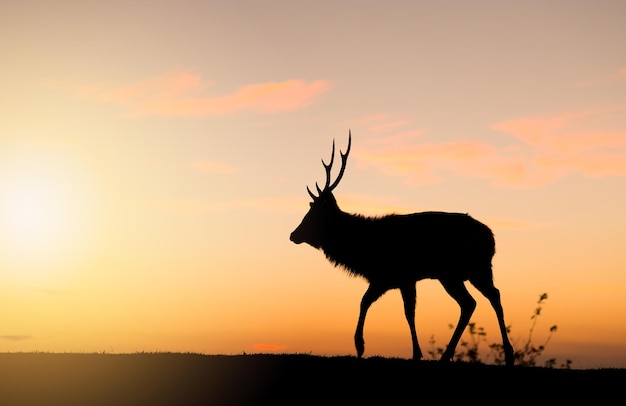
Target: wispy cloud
[417, 163]
[269, 347]
[591, 142]
[213, 167]
[427, 162]
[181, 93]
[618, 77]
[10, 337]
[541, 150]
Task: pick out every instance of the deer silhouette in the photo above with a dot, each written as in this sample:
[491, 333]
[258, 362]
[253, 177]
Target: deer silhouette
[395, 251]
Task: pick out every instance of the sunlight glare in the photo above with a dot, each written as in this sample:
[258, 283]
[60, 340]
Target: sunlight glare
[34, 212]
[45, 213]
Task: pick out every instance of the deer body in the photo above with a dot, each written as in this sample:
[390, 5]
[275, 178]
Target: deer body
[395, 251]
[396, 248]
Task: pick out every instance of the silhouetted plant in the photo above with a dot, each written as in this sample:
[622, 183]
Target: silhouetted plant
[526, 355]
[469, 349]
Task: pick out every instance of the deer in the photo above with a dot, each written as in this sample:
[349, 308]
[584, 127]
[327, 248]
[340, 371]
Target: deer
[395, 251]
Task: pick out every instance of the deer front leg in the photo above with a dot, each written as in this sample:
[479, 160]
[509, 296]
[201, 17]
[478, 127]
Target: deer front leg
[372, 293]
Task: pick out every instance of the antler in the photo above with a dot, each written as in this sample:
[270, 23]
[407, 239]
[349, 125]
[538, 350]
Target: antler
[344, 159]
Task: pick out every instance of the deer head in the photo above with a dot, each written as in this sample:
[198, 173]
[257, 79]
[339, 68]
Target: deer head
[318, 221]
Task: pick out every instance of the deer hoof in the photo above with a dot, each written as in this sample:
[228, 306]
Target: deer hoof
[445, 359]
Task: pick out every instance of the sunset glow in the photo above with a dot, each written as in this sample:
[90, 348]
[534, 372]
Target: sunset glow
[154, 160]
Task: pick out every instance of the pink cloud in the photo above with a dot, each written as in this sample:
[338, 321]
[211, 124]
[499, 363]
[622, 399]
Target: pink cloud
[272, 97]
[591, 142]
[404, 153]
[269, 347]
[542, 150]
[185, 94]
[591, 164]
[423, 163]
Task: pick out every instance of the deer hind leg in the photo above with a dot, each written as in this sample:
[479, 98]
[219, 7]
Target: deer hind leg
[458, 291]
[372, 294]
[487, 288]
[408, 297]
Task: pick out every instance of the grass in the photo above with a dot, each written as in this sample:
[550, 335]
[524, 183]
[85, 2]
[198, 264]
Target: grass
[190, 379]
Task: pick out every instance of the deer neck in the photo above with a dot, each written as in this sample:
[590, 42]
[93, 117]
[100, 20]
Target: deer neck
[343, 245]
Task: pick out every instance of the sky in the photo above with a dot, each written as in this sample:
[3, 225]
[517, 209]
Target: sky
[154, 158]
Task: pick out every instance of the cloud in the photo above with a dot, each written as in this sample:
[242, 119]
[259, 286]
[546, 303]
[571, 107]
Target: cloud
[269, 347]
[541, 150]
[15, 337]
[614, 78]
[270, 97]
[213, 167]
[571, 131]
[427, 162]
[591, 142]
[181, 93]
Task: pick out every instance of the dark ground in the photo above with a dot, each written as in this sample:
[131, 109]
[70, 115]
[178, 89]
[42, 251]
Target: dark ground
[191, 379]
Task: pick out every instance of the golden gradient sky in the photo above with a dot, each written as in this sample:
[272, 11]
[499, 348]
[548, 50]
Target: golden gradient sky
[154, 157]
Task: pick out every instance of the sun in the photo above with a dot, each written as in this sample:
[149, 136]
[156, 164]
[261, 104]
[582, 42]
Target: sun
[35, 211]
[44, 214]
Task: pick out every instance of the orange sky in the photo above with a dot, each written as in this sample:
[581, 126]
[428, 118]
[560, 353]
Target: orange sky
[154, 158]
